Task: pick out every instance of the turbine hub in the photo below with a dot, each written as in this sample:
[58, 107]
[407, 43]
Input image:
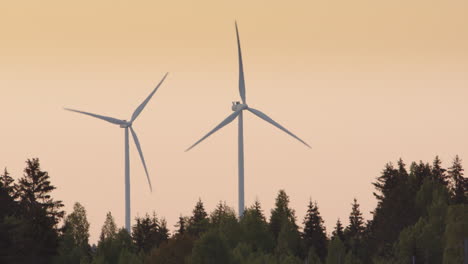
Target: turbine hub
[127, 124]
[238, 106]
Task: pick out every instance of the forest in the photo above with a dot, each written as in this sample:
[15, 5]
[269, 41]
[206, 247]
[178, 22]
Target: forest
[421, 217]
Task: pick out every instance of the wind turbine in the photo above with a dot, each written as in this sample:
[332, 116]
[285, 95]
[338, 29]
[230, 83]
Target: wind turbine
[238, 109]
[127, 125]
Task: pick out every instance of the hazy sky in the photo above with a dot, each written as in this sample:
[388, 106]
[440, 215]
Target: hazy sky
[363, 82]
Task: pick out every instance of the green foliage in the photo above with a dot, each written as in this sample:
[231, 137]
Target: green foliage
[175, 251]
[74, 246]
[149, 232]
[281, 214]
[455, 233]
[352, 259]
[312, 257]
[255, 231]
[224, 219]
[458, 186]
[109, 229]
[424, 239]
[289, 240]
[421, 213]
[211, 248]
[199, 222]
[395, 209]
[336, 252]
[114, 246]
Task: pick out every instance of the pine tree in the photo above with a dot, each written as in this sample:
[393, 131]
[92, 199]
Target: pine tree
[338, 232]
[458, 182]
[198, 223]
[314, 234]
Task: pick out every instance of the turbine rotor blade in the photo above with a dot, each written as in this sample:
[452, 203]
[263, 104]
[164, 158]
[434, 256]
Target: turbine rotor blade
[226, 121]
[140, 108]
[137, 143]
[271, 121]
[105, 118]
[241, 69]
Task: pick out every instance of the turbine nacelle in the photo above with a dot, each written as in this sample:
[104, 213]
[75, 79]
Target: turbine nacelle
[238, 106]
[126, 124]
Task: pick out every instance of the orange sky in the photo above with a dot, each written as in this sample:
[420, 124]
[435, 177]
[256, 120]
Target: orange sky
[363, 82]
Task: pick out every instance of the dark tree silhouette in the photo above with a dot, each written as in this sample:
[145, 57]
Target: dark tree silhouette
[338, 231]
[458, 184]
[438, 173]
[199, 222]
[255, 231]
[40, 211]
[281, 213]
[314, 234]
[149, 232]
[355, 229]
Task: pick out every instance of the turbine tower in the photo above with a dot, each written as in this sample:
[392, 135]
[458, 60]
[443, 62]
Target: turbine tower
[127, 125]
[238, 109]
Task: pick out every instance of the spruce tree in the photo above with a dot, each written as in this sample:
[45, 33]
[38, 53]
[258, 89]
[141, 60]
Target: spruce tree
[336, 252]
[395, 210]
[181, 225]
[221, 214]
[198, 223]
[255, 232]
[8, 206]
[224, 219]
[458, 184]
[281, 213]
[7, 184]
[420, 172]
[146, 233]
[356, 227]
[438, 173]
[314, 234]
[338, 231]
[34, 193]
[40, 212]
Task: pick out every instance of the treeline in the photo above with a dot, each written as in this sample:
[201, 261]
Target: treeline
[421, 215]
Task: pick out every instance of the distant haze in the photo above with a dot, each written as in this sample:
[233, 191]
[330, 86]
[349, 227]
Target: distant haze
[363, 82]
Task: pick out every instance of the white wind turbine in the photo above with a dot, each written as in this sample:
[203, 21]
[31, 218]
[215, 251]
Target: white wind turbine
[238, 107]
[128, 126]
